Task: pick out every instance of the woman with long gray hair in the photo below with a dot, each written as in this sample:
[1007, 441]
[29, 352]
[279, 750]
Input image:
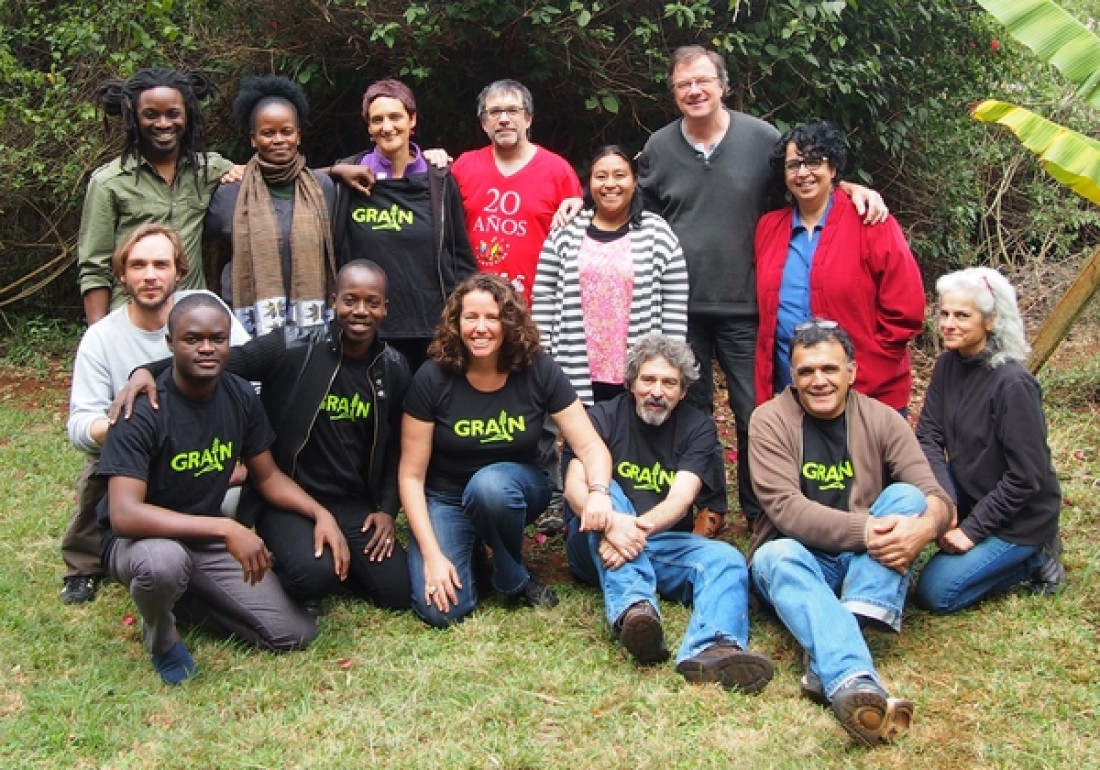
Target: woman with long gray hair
[983, 431]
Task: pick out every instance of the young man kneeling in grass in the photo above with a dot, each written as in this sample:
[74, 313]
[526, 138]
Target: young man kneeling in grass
[167, 471]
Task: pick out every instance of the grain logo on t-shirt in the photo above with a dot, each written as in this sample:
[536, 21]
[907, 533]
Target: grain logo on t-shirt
[202, 461]
[501, 428]
[343, 408]
[656, 478]
[828, 477]
[395, 218]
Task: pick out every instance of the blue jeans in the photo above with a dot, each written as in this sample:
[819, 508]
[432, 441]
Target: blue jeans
[497, 503]
[732, 340]
[708, 575]
[950, 582]
[817, 595]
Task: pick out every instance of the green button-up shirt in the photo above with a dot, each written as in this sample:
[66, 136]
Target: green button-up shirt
[119, 198]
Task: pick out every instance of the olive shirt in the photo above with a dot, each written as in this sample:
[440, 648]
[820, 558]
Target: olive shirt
[124, 194]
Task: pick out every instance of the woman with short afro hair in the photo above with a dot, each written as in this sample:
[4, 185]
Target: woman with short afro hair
[277, 220]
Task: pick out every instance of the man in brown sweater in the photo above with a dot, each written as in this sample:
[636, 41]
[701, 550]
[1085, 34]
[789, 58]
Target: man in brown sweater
[849, 503]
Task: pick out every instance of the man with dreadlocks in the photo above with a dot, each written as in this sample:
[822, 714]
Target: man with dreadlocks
[163, 175]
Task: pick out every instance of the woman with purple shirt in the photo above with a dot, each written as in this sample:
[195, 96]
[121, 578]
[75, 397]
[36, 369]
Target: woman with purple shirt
[411, 224]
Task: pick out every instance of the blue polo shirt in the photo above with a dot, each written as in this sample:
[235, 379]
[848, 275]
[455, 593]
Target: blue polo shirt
[794, 291]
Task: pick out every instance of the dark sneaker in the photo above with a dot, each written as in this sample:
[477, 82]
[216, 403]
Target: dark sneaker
[175, 666]
[79, 589]
[640, 632]
[870, 715]
[812, 688]
[551, 522]
[536, 594]
[1049, 577]
[730, 666]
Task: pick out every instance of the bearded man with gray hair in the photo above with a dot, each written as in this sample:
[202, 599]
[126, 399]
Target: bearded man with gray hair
[666, 458]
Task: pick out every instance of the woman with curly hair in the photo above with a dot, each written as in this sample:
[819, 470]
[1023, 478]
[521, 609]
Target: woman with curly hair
[412, 223]
[277, 220]
[470, 471]
[983, 431]
[817, 259]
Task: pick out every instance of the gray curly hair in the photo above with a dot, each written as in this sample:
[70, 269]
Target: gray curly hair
[657, 345]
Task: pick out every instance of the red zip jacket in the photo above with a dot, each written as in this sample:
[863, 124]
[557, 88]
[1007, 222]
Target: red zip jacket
[863, 277]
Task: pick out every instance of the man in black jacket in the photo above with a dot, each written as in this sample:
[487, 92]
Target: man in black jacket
[333, 396]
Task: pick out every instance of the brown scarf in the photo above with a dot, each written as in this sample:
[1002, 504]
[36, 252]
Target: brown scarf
[258, 282]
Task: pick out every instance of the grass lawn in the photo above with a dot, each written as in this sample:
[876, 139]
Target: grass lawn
[1009, 684]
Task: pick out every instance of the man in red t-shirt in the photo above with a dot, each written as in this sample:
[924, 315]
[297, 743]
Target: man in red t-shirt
[511, 188]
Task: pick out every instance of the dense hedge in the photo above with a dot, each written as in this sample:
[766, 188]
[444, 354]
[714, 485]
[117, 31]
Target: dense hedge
[897, 74]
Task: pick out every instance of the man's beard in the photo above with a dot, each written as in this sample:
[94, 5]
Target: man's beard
[655, 411]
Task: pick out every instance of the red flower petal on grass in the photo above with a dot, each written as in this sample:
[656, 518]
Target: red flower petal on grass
[540, 538]
[127, 620]
[732, 455]
[1079, 455]
[345, 663]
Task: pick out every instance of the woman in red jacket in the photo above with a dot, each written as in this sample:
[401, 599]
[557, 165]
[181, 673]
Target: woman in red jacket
[816, 259]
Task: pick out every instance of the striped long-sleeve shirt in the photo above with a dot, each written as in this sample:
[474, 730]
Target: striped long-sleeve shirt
[659, 302]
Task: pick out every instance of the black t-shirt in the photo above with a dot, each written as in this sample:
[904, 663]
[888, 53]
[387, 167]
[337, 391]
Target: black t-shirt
[393, 227]
[645, 458]
[827, 471]
[343, 433]
[474, 429]
[186, 450]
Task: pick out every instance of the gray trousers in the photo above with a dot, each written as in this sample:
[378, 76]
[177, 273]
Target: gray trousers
[80, 545]
[202, 584]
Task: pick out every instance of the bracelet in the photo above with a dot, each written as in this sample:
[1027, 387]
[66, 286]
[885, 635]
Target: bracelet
[601, 488]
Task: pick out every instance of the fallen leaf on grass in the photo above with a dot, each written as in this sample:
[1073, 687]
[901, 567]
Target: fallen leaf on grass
[345, 663]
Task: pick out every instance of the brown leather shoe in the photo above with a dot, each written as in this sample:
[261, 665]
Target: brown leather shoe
[640, 632]
[870, 715]
[709, 523]
[730, 666]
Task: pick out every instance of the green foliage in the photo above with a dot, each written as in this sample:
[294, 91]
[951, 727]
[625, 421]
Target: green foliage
[896, 75]
[36, 341]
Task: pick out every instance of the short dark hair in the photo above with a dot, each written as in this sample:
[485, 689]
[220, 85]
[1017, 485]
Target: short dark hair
[193, 302]
[819, 330]
[637, 203]
[365, 264]
[258, 92]
[817, 137]
[520, 345]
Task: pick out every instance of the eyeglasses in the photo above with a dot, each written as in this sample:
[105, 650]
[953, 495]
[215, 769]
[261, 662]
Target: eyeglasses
[812, 163]
[817, 323]
[683, 86]
[495, 113]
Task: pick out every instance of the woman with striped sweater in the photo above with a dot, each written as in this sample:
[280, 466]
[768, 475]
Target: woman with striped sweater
[612, 275]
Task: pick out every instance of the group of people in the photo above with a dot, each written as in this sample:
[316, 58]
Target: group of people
[420, 337]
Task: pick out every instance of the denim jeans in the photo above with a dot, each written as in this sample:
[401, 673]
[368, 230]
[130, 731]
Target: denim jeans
[732, 340]
[817, 595]
[497, 503]
[708, 575]
[950, 582]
